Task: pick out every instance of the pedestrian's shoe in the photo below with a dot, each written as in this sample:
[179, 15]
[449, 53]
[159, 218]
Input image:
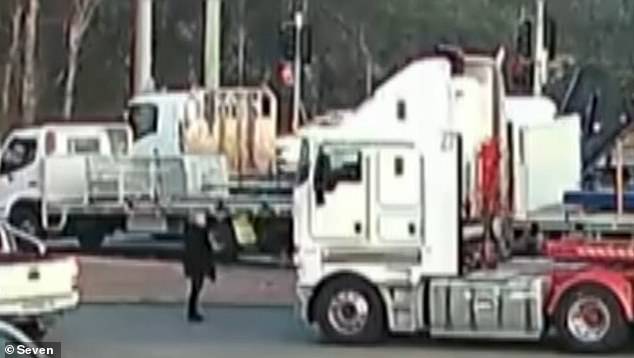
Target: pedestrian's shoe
[195, 317]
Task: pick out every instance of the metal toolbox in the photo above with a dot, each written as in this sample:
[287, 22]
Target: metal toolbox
[493, 306]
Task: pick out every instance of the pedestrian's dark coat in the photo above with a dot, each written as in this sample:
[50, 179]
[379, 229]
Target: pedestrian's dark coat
[198, 258]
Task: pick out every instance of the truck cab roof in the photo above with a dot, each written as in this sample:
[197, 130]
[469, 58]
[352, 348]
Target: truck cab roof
[69, 126]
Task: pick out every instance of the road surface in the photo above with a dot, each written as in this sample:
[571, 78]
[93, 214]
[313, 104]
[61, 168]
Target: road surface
[159, 331]
[116, 280]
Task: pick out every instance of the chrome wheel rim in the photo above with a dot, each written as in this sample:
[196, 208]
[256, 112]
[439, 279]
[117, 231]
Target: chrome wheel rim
[589, 319]
[348, 312]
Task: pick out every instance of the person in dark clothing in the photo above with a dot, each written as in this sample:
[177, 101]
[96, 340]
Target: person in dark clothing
[198, 263]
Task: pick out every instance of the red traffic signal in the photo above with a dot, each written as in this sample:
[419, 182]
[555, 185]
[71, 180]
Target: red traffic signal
[285, 73]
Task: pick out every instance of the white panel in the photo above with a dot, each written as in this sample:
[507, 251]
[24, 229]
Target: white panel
[552, 162]
[343, 207]
[396, 227]
[58, 184]
[399, 189]
[440, 251]
[207, 174]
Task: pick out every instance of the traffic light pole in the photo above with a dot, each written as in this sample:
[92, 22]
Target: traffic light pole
[541, 56]
[297, 69]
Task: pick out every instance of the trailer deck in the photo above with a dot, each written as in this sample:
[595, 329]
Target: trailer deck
[573, 218]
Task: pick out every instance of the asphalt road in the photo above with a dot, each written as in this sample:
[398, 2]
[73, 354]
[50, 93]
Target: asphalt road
[140, 331]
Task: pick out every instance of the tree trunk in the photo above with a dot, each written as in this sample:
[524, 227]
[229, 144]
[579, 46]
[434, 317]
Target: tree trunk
[242, 40]
[71, 72]
[29, 97]
[368, 62]
[12, 58]
[82, 12]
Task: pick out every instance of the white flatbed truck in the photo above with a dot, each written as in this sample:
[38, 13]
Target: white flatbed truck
[85, 180]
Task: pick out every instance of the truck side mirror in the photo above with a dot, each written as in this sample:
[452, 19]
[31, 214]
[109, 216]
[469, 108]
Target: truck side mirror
[322, 181]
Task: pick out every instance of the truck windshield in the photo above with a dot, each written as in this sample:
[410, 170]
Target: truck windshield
[18, 154]
[143, 119]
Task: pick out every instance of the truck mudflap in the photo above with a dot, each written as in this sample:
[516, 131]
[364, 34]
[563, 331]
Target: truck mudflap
[302, 303]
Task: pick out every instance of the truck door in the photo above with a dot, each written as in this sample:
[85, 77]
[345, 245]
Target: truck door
[339, 198]
[399, 196]
[18, 165]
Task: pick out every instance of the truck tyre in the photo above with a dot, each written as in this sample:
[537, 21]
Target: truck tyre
[350, 311]
[27, 220]
[589, 319]
[33, 329]
[224, 241]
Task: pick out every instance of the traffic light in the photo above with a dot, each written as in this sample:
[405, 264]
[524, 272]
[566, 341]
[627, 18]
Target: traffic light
[287, 41]
[288, 36]
[285, 73]
[524, 41]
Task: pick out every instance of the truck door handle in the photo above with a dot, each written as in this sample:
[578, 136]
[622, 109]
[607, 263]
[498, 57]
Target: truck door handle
[357, 227]
[411, 228]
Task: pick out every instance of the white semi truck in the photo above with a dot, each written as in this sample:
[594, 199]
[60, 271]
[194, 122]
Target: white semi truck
[394, 232]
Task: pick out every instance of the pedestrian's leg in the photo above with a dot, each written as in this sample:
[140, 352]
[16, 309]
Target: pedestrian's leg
[196, 285]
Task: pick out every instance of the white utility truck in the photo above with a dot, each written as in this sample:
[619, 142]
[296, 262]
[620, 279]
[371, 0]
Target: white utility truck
[239, 123]
[35, 287]
[394, 232]
[92, 179]
[25, 151]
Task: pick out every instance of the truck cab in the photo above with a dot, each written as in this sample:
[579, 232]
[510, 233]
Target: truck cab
[238, 122]
[24, 151]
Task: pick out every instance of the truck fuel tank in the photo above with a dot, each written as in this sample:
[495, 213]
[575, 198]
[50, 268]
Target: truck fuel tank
[495, 304]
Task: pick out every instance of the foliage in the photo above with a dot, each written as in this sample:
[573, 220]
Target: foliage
[348, 35]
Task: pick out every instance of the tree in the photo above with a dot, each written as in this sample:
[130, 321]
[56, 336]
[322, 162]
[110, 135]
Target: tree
[81, 15]
[242, 39]
[29, 96]
[12, 56]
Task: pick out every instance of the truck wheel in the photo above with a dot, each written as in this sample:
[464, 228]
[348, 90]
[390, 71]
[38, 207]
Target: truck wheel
[224, 241]
[590, 320]
[26, 220]
[33, 329]
[350, 311]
